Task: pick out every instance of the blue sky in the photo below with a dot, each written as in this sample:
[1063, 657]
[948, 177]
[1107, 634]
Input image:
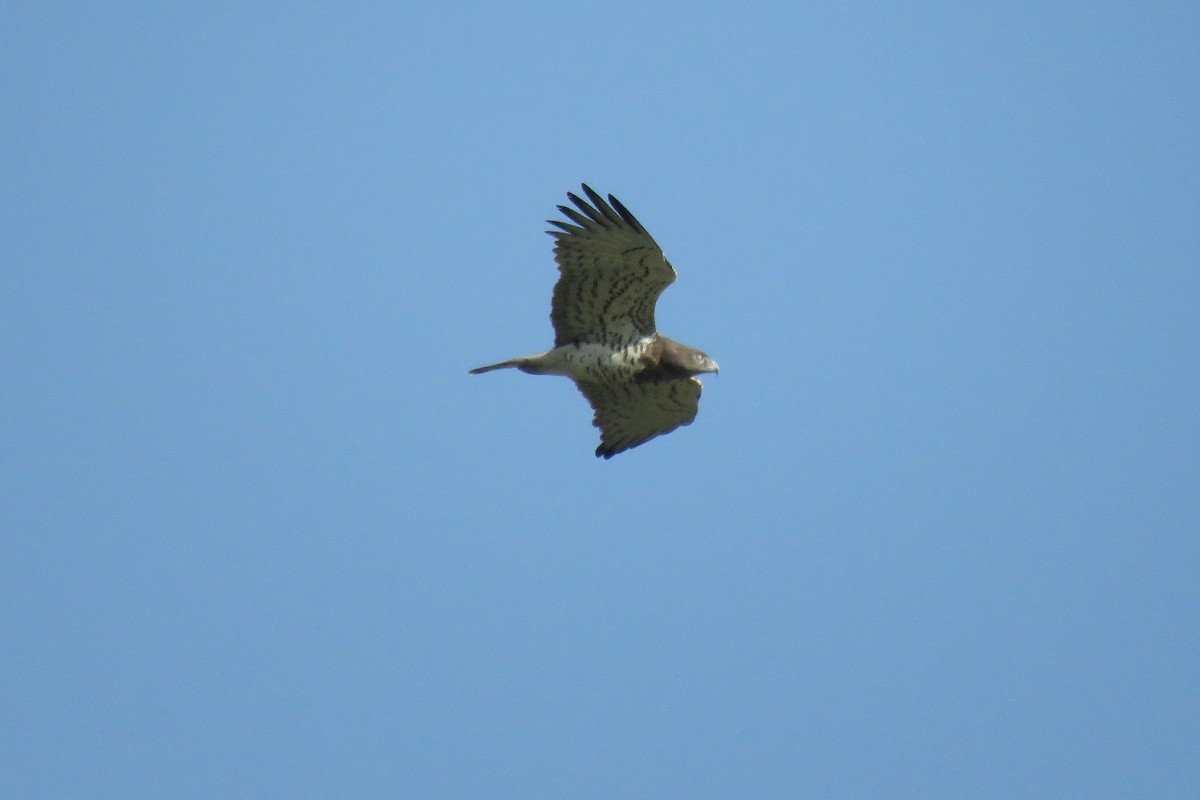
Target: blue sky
[933, 533]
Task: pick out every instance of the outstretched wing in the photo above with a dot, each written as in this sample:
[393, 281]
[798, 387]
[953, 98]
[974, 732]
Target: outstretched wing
[612, 273]
[630, 413]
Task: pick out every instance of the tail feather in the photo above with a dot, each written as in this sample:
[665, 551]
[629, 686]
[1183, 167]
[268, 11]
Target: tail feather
[512, 362]
[534, 364]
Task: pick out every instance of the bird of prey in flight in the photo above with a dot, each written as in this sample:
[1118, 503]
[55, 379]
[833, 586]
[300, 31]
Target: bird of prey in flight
[639, 383]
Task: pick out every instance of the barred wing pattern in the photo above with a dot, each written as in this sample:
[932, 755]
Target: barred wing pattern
[629, 414]
[611, 274]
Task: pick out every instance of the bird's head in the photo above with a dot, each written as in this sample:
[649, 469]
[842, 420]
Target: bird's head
[679, 360]
[702, 363]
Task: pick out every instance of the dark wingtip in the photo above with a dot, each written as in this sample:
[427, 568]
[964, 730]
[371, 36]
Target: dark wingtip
[606, 214]
[597, 201]
[566, 228]
[629, 218]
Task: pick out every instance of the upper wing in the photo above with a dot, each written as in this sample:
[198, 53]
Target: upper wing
[628, 414]
[612, 273]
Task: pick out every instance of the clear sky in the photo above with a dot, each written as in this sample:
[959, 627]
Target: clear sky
[934, 533]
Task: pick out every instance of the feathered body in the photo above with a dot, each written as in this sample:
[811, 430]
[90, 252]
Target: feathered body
[639, 383]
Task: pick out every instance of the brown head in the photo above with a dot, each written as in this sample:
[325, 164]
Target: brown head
[667, 359]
